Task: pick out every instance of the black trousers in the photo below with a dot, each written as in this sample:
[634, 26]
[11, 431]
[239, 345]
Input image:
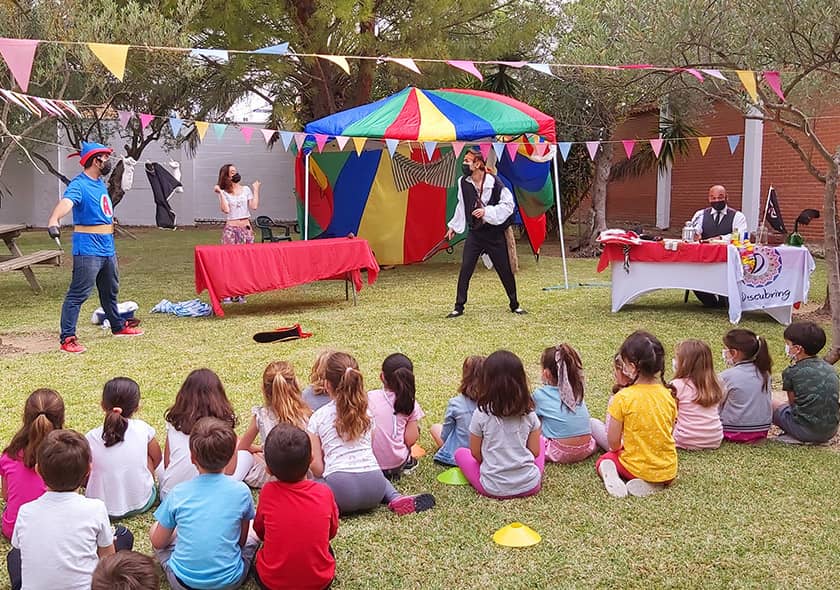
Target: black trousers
[494, 245]
[711, 299]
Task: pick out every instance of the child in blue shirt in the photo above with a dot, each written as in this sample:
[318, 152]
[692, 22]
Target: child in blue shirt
[212, 513]
[560, 406]
[454, 433]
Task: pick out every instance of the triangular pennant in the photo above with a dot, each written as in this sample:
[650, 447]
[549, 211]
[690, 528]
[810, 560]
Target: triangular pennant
[774, 81]
[66, 104]
[268, 134]
[430, 148]
[299, 139]
[145, 119]
[285, 136]
[542, 148]
[321, 141]
[341, 140]
[484, 148]
[28, 104]
[19, 55]
[46, 105]
[338, 60]
[215, 55]
[592, 148]
[565, 146]
[512, 149]
[704, 144]
[628, 144]
[175, 123]
[201, 127]
[125, 117]
[281, 49]
[392, 145]
[542, 68]
[499, 148]
[405, 62]
[112, 57]
[11, 96]
[747, 78]
[656, 146]
[733, 140]
[466, 66]
[457, 147]
[247, 132]
[359, 144]
[695, 73]
[219, 130]
[714, 74]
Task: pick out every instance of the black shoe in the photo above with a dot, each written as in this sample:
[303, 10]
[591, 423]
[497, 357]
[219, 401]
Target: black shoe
[518, 311]
[455, 313]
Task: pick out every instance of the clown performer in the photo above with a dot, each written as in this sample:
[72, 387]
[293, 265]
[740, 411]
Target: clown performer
[94, 256]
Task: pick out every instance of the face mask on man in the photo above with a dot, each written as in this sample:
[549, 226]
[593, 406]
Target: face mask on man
[465, 169]
[236, 177]
[719, 205]
[105, 169]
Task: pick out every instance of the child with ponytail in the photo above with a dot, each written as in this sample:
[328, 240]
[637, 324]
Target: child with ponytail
[282, 403]
[43, 412]
[746, 409]
[396, 415]
[342, 453]
[124, 453]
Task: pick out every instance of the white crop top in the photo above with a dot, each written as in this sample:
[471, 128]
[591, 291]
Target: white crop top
[238, 204]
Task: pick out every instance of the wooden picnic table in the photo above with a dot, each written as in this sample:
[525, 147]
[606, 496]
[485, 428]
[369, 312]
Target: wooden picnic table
[17, 260]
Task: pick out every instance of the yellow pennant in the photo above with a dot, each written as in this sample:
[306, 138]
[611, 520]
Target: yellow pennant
[704, 144]
[359, 143]
[748, 80]
[201, 127]
[112, 57]
[338, 60]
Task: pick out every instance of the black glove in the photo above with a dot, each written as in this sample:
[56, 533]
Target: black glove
[54, 231]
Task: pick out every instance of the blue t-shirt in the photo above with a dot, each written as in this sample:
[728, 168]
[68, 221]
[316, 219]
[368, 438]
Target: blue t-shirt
[558, 421]
[91, 206]
[456, 428]
[208, 511]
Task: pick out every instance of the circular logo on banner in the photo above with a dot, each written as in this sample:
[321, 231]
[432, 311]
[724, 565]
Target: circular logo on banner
[768, 266]
[105, 205]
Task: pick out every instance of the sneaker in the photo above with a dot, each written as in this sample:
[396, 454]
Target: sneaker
[71, 345]
[410, 465]
[227, 300]
[455, 313]
[518, 311]
[407, 504]
[641, 488]
[612, 481]
[129, 331]
[240, 299]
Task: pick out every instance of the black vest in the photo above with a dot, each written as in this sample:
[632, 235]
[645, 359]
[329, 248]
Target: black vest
[471, 203]
[712, 229]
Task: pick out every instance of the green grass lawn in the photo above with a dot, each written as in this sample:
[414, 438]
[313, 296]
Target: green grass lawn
[739, 517]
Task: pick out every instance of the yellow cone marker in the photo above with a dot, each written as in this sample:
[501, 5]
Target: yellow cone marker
[516, 534]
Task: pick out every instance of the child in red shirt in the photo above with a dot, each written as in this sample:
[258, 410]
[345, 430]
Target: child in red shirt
[296, 517]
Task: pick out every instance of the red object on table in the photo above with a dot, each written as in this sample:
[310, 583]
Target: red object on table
[242, 269]
[656, 252]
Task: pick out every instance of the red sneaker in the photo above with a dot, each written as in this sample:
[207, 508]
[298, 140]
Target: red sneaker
[71, 345]
[129, 331]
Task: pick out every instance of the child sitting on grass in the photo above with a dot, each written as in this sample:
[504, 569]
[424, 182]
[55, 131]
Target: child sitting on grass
[745, 410]
[698, 395]
[811, 414]
[291, 503]
[454, 433]
[560, 406]
[642, 451]
[315, 394]
[60, 537]
[212, 513]
[126, 570]
[599, 428]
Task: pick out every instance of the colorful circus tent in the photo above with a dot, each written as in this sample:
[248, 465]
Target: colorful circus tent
[398, 187]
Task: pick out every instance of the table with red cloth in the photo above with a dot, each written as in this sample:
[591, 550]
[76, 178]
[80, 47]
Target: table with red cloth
[231, 270]
[778, 279]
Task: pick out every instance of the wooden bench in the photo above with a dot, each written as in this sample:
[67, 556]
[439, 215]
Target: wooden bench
[22, 263]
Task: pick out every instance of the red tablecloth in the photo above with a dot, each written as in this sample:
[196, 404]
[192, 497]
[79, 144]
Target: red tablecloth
[231, 270]
[656, 252]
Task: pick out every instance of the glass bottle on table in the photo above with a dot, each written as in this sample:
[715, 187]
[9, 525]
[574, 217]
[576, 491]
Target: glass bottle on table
[688, 233]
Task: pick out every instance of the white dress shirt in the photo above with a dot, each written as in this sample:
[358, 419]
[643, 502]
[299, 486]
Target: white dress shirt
[493, 214]
[739, 222]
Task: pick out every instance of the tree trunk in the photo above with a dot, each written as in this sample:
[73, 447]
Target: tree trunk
[603, 165]
[365, 73]
[832, 355]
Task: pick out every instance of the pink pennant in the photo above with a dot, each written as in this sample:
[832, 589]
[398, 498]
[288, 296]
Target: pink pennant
[19, 55]
[512, 148]
[268, 134]
[321, 141]
[541, 148]
[457, 147]
[405, 62]
[125, 117]
[341, 140]
[714, 74]
[628, 144]
[466, 66]
[774, 81]
[145, 120]
[656, 146]
[247, 132]
[299, 139]
[695, 73]
[592, 148]
[47, 106]
[484, 148]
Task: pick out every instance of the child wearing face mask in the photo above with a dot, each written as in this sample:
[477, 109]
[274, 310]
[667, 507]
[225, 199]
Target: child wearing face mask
[745, 410]
[811, 413]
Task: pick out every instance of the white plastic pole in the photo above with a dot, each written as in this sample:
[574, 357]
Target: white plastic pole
[306, 198]
[560, 218]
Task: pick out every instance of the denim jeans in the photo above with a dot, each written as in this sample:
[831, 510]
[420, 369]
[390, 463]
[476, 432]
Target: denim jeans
[87, 271]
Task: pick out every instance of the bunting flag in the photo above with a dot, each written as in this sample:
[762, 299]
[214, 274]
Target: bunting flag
[512, 150]
[112, 57]
[747, 78]
[201, 127]
[695, 73]
[704, 144]
[430, 147]
[321, 141]
[592, 148]
[466, 66]
[19, 54]
[285, 136]
[774, 81]
[628, 144]
[342, 140]
[124, 117]
[14, 98]
[219, 130]
[338, 60]
[733, 140]
[47, 106]
[281, 49]
[498, 147]
[145, 119]
[542, 68]
[564, 147]
[392, 146]
[405, 62]
[247, 132]
[299, 139]
[359, 144]
[175, 124]
[714, 74]
[484, 148]
[69, 106]
[541, 149]
[268, 134]
[656, 146]
[457, 147]
[220, 56]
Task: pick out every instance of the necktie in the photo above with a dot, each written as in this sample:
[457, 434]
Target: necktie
[718, 217]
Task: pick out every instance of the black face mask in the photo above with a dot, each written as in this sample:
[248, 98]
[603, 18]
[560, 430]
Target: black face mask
[465, 169]
[105, 170]
[236, 177]
[719, 205]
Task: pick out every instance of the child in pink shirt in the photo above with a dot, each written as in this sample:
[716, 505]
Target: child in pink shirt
[396, 415]
[698, 394]
[42, 413]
